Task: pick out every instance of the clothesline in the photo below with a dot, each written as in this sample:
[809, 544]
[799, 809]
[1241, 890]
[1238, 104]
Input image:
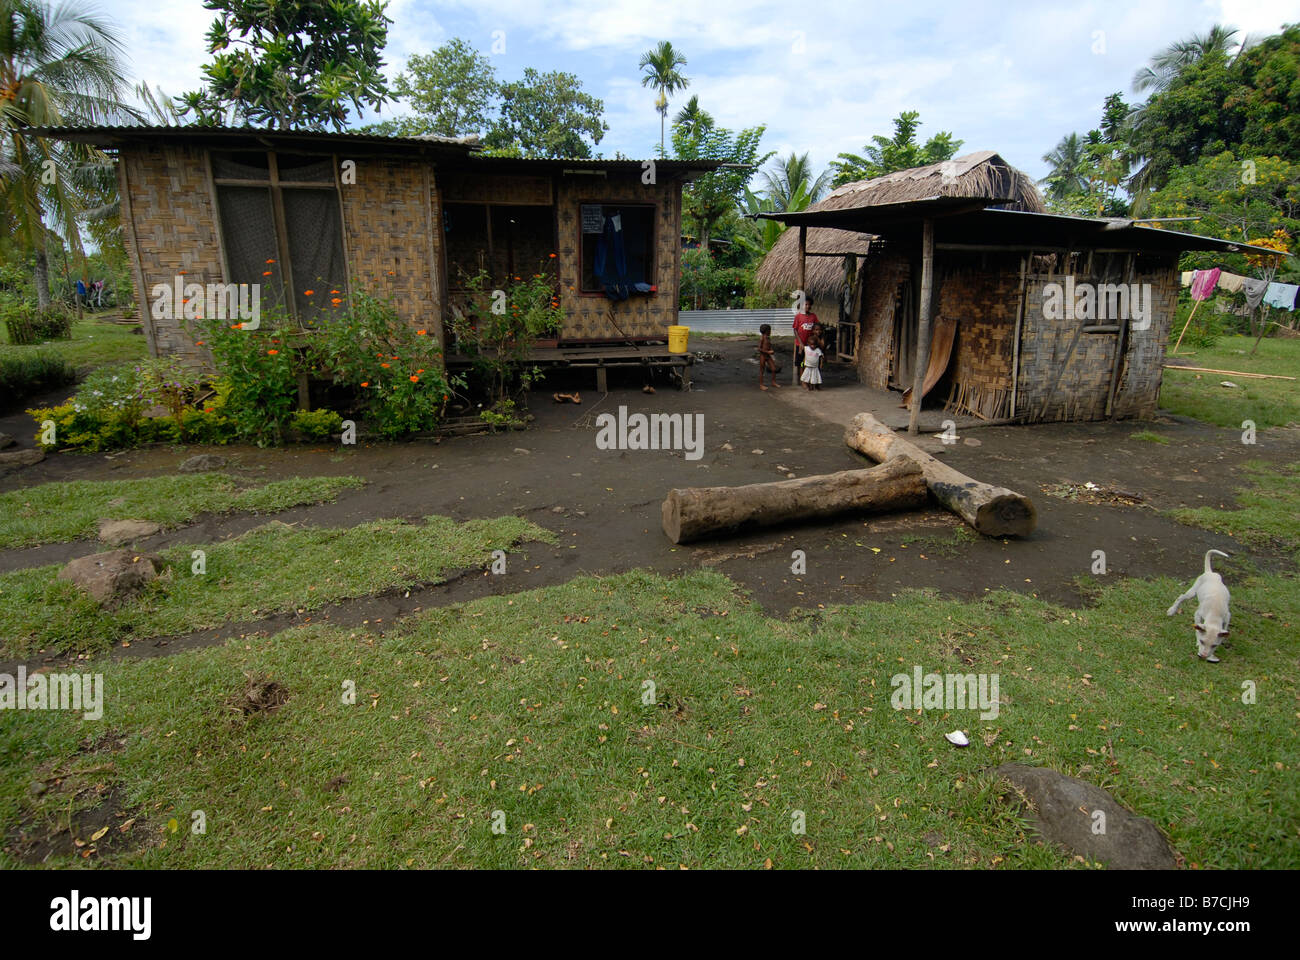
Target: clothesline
[1204, 282]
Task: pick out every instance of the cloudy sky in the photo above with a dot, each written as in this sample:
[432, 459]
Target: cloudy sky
[823, 76]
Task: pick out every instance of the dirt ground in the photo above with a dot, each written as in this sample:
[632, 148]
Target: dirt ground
[604, 506]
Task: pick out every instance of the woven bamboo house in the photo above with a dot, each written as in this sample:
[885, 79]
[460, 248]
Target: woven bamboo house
[405, 218]
[951, 284]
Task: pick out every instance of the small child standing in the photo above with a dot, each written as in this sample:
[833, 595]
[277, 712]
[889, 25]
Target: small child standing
[766, 356]
[812, 362]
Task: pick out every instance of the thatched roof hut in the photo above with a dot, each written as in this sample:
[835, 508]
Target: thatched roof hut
[983, 174]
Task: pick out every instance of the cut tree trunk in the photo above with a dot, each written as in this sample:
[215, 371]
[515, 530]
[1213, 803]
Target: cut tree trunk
[694, 513]
[992, 511]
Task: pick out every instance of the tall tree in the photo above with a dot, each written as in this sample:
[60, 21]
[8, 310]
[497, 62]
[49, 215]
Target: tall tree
[1164, 67]
[787, 176]
[708, 199]
[1068, 161]
[659, 70]
[450, 90]
[899, 152]
[546, 115]
[57, 66]
[692, 118]
[292, 63]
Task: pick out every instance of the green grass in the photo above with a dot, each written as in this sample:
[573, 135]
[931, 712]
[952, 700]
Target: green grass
[93, 344]
[1269, 403]
[531, 705]
[58, 512]
[1268, 511]
[271, 569]
[1148, 437]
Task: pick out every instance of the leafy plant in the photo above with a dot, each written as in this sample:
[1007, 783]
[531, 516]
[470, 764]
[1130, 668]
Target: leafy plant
[496, 328]
[316, 424]
[24, 374]
[260, 368]
[396, 368]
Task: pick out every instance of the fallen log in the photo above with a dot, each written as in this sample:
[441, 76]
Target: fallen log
[693, 513]
[992, 511]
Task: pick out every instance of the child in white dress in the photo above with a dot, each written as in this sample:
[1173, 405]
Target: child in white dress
[812, 364]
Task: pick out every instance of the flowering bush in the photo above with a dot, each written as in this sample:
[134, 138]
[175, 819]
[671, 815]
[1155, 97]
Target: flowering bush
[395, 367]
[261, 368]
[496, 329]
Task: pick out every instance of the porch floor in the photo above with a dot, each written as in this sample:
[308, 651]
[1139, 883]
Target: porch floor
[601, 358]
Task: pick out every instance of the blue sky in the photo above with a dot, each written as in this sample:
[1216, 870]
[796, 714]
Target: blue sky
[823, 76]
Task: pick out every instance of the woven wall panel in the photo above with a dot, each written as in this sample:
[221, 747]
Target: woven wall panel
[883, 274]
[387, 215]
[175, 233]
[488, 188]
[597, 317]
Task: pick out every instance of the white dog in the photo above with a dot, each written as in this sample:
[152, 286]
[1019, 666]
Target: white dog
[1212, 614]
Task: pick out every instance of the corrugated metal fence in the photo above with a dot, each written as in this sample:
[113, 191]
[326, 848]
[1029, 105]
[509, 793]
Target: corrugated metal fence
[737, 321]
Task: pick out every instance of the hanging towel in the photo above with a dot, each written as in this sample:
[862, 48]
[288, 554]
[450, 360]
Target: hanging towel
[1203, 283]
[1281, 295]
[1255, 290]
[1231, 282]
[1185, 278]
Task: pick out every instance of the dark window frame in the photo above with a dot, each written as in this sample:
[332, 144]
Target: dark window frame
[652, 249]
[276, 187]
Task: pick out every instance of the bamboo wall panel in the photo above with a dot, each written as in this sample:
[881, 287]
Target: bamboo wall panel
[883, 273]
[175, 232]
[589, 317]
[387, 217]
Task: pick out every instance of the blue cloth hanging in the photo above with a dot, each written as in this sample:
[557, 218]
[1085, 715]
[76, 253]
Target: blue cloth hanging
[610, 246]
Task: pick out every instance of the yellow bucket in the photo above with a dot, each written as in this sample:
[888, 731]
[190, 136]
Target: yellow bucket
[677, 339]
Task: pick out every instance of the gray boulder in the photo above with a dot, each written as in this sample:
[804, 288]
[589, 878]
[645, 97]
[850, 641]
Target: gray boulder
[7, 441]
[13, 459]
[117, 532]
[1062, 812]
[202, 463]
[112, 576]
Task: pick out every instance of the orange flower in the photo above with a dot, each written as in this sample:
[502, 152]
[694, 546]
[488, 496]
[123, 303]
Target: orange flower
[182, 272]
[551, 255]
[209, 409]
[272, 352]
[199, 343]
[365, 383]
[421, 370]
[308, 293]
[235, 326]
[414, 378]
[266, 273]
[336, 301]
[185, 299]
[384, 365]
[420, 333]
[333, 291]
[272, 260]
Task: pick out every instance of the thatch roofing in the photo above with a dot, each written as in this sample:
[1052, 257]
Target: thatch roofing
[983, 174]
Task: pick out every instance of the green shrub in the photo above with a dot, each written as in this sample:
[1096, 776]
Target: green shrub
[395, 368]
[28, 324]
[496, 332]
[317, 424]
[26, 373]
[260, 368]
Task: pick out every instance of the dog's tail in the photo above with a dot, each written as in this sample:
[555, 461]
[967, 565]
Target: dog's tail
[1210, 553]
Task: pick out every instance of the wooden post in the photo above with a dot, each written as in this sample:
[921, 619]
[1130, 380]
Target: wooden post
[923, 334]
[803, 293]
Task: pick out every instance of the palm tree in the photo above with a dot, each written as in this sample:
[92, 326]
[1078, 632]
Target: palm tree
[692, 119]
[660, 71]
[1163, 68]
[781, 183]
[58, 65]
[1069, 162]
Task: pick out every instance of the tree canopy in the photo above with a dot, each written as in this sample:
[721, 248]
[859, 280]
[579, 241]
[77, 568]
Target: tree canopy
[289, 64]
[899, 152]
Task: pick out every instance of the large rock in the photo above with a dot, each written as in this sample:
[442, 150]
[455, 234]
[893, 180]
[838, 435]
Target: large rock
[117, 532]
[13, 459]
[7, 441]
[112, 576]
[1062, 812]
[202, 463]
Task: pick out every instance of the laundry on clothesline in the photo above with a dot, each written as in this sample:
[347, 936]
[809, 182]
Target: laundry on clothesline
[1204, 282]
[1281, 295]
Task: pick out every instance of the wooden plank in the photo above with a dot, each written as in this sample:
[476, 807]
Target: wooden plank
[923, 334]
